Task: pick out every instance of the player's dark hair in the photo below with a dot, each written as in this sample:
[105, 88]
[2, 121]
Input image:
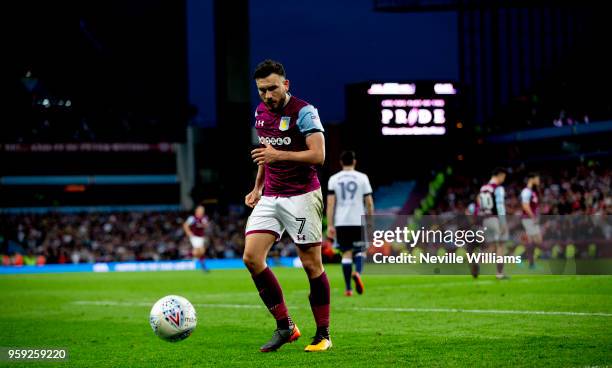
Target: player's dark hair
[498, 170]
[267, 67]
[532, 175]
[347, 158]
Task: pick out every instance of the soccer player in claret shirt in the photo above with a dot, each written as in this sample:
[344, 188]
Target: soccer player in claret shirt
[529, 202]
[287, 196]
[491, 203]
[195, 228]
[349, 197]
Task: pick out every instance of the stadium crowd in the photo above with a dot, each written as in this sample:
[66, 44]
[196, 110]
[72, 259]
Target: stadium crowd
[108, 237]
[130, 236]
[582, 189]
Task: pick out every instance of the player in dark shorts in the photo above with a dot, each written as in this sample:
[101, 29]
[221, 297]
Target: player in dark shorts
[349, 197]
[287, 196]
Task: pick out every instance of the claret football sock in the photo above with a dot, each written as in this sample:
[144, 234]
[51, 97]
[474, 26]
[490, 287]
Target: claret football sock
[323, 332]
[272, 296]
[319, 300]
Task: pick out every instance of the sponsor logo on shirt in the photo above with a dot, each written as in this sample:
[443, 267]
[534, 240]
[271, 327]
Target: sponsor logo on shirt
[275, 141]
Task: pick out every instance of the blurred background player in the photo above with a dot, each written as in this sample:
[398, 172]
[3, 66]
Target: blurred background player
[492, 206]
[529, 204]
[195, 228]
[349, 198]
[287, 195]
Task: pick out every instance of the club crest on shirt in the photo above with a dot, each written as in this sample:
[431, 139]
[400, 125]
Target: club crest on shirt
[284, 123]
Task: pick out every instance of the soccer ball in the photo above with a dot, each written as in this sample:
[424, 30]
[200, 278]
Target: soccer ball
[173, 318]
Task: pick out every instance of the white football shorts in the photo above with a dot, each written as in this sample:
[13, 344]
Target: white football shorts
[301, 216]
[493, 230]
[532, 228]
[197, 241]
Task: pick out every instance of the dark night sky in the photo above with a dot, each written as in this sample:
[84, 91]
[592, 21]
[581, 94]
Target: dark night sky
[326, 44]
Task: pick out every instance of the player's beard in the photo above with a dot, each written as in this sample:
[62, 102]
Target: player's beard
[276, 105]
[271, 105]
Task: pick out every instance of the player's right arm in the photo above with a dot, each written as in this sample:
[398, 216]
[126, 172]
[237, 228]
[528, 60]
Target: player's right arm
[310, 126]
[314, 155]
[525, 203]
[254, 196]
[331, 204]
[186, 228]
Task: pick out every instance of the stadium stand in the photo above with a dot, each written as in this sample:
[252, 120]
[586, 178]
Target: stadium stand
[107, 237]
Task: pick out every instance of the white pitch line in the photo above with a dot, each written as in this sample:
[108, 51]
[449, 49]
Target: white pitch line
[468, 282]
[483, 311]
[432, 285]
[143, 304]
[368, 309]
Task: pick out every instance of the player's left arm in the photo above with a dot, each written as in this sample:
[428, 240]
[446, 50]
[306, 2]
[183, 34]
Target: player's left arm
[369, 203]
[500, 199]
[368, 198]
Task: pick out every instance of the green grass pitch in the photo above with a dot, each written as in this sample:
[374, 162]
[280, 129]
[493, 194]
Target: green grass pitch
[401, 320]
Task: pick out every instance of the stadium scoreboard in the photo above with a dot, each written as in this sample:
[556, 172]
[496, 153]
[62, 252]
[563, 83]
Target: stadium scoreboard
[418, 123]
[424, 108]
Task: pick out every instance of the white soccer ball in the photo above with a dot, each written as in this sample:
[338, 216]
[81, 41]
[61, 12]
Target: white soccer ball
[173, 318]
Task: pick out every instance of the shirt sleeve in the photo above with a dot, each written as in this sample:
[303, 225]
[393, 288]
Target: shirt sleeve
[309, 121]
[525, 196]
[190, 220]
[500, 200]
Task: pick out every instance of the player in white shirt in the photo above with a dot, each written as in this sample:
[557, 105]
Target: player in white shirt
[349, 198]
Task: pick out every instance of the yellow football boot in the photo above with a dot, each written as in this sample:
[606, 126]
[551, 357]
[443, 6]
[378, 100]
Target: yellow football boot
[319, 344]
